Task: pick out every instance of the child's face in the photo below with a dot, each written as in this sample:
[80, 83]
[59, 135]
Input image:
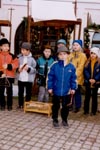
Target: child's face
[62, 56]
[93, 55]
[5, 47]
[76, 47]
[60, 44]
[25, 52]
[47, 53]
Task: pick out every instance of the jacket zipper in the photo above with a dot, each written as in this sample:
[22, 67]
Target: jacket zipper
[62, 81]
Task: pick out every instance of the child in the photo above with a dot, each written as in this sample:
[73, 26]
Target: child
[61, 83]
[61, 42]
[8, 65]
[78, 59]
[26, 74]
[92, 78]
[43, 64]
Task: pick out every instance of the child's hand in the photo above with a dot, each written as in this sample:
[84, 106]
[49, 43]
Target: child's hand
[50, 91]
[5, 66]
[92, 81]
[20, 70]
[3, 75]
[72, 92]
[26, 67]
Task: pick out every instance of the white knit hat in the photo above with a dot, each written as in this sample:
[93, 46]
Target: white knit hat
[95, 50]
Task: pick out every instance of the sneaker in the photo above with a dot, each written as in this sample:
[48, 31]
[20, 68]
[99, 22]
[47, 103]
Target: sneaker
[2, 108]
[64, 123]
[9, 108]
[76, 110]
[55, 123]
[19, 107]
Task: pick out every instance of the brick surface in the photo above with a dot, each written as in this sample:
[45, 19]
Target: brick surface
[32, 131]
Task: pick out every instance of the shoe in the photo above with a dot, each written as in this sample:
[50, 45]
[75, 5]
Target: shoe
[55, 123]
[64, 123]
[9, 108]
[76, 110]
[92, 114]
[86, 113]
[19, 107]
[2, 108]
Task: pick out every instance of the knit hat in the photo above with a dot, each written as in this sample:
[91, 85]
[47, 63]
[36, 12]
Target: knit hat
[62, 49]
[78, 41]
[4, 41]
[26, 45]
[95, 50]
[61, 41]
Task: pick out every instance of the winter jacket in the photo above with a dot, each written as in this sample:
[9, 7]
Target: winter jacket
[41, 61]
[42, 75]
[96, 73]
[62, 78]
[12, 64]
[78, 59]
[31, 72]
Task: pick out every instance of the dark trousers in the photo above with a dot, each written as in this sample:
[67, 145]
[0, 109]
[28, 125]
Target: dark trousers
[78, 98]
[27, 86]
[56, 106]
[9, 92]
[90, 92]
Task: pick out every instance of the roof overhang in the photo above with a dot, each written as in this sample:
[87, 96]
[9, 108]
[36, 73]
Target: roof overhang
[57, 23]
[5, 23]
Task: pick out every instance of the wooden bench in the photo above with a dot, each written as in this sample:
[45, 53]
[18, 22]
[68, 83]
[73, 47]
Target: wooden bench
[39, 107]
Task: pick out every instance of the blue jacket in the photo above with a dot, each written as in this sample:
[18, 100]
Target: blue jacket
[62, 78]
[96, 73]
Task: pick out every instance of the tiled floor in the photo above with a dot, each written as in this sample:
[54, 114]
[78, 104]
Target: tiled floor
[31, 131]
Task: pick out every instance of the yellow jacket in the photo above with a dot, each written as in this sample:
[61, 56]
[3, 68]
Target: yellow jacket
[78, 59]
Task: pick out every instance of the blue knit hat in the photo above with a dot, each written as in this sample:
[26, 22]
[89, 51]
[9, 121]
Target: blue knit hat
[78, 41]
[62, 41]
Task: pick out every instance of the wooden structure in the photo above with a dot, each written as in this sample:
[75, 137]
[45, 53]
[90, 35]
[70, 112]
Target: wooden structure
[39, 107]
[43, 32]
[5, 23]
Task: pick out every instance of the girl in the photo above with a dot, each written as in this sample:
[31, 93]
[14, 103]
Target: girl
[92, 78]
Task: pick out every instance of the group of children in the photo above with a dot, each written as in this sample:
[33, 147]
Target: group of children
[61, 77]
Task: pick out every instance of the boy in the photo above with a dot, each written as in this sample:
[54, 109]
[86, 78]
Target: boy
[61, 84]
[8, 65]
[26, 73]
[43, 64]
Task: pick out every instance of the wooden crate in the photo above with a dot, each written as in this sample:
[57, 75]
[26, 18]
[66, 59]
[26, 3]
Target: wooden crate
[39, 107]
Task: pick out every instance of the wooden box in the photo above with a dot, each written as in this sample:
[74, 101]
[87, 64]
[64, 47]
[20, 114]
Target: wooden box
[39, 107]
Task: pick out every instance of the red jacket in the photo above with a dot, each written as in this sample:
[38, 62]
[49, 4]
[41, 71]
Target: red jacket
[12, 64]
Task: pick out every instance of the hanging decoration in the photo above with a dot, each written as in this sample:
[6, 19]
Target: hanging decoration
[86, 38]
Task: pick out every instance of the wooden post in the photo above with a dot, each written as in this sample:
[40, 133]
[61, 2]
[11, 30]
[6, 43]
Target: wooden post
[28, 21]
[11, 9]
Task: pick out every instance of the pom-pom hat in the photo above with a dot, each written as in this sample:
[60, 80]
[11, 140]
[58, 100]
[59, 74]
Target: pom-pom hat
[95, 50]
[78, 41]
[61, 41]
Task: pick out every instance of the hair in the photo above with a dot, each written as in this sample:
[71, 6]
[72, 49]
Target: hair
[89, 60]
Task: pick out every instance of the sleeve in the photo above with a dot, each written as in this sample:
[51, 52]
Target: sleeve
[50, 78]
[14, 63]
[32, 68]
[80, 66]
[74, 84]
